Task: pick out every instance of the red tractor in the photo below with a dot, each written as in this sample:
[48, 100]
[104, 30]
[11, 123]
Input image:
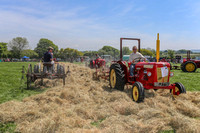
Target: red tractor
[98, 63]
[190, 65]
[147, 75]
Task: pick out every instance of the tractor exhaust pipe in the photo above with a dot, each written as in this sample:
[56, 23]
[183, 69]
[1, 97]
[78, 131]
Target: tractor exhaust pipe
[188, 55]
[157, 48]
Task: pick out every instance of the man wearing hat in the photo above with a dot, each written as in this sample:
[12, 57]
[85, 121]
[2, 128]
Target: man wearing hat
[48, 60]
[48, 56]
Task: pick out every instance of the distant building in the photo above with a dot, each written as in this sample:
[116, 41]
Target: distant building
[196, 51]
[197, 58]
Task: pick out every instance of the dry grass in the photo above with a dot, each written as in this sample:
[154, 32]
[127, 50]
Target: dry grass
[85, 105]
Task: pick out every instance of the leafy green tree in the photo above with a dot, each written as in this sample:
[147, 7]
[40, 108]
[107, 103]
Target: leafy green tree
[61, 53]
[8, 54]
[90, 53]
[77, 53]
[29, 53]
[70, 53]
[164, 53]
[43, 45]
[153, 51]
[102, 52]
[108, 50]
[17, 45]
[3, 50]
[146, 52]
[126, 51]
[171, 53]
[182, 51]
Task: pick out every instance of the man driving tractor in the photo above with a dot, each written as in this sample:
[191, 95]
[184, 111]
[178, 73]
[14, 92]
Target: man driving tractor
[134, 58]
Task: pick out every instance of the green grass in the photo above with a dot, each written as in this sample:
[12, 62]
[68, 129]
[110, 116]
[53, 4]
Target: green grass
[8, 127]
[10, 82]
[97, 123]
[191, 81]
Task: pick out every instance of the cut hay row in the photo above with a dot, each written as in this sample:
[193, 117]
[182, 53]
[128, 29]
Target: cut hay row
[86, 105]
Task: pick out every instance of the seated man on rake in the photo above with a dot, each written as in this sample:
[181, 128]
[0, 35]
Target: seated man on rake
[134, 58]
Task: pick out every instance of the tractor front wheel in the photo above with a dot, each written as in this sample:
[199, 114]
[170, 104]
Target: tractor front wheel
[179, 88]
[117, 77]
[190, 66]
[138, 92]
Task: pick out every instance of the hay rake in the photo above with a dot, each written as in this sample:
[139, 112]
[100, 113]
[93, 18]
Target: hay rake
[43, 71]
[101, 73]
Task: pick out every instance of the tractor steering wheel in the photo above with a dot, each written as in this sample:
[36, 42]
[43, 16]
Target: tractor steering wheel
[139, 58]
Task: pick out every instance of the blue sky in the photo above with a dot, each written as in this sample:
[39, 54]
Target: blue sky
[91, 24]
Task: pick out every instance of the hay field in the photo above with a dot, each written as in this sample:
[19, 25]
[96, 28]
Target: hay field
[86, 105]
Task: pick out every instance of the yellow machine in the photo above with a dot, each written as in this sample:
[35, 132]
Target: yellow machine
[157, 48]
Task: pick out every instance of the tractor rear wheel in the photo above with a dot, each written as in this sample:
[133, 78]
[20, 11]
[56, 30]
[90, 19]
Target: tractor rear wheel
[116, 77]
[137, 92]
[179, 88]
[182, 67]
[190, 66]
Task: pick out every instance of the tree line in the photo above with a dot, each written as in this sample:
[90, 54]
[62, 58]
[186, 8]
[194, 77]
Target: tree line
[19, 47]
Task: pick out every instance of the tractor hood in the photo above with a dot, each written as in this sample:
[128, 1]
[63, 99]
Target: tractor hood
[158, 73]
[152, 64]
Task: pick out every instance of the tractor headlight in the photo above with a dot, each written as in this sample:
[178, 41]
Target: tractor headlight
[171, 74]
[149, 74]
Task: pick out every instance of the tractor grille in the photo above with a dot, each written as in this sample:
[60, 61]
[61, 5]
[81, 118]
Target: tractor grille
[161, 79]
[161, 84]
